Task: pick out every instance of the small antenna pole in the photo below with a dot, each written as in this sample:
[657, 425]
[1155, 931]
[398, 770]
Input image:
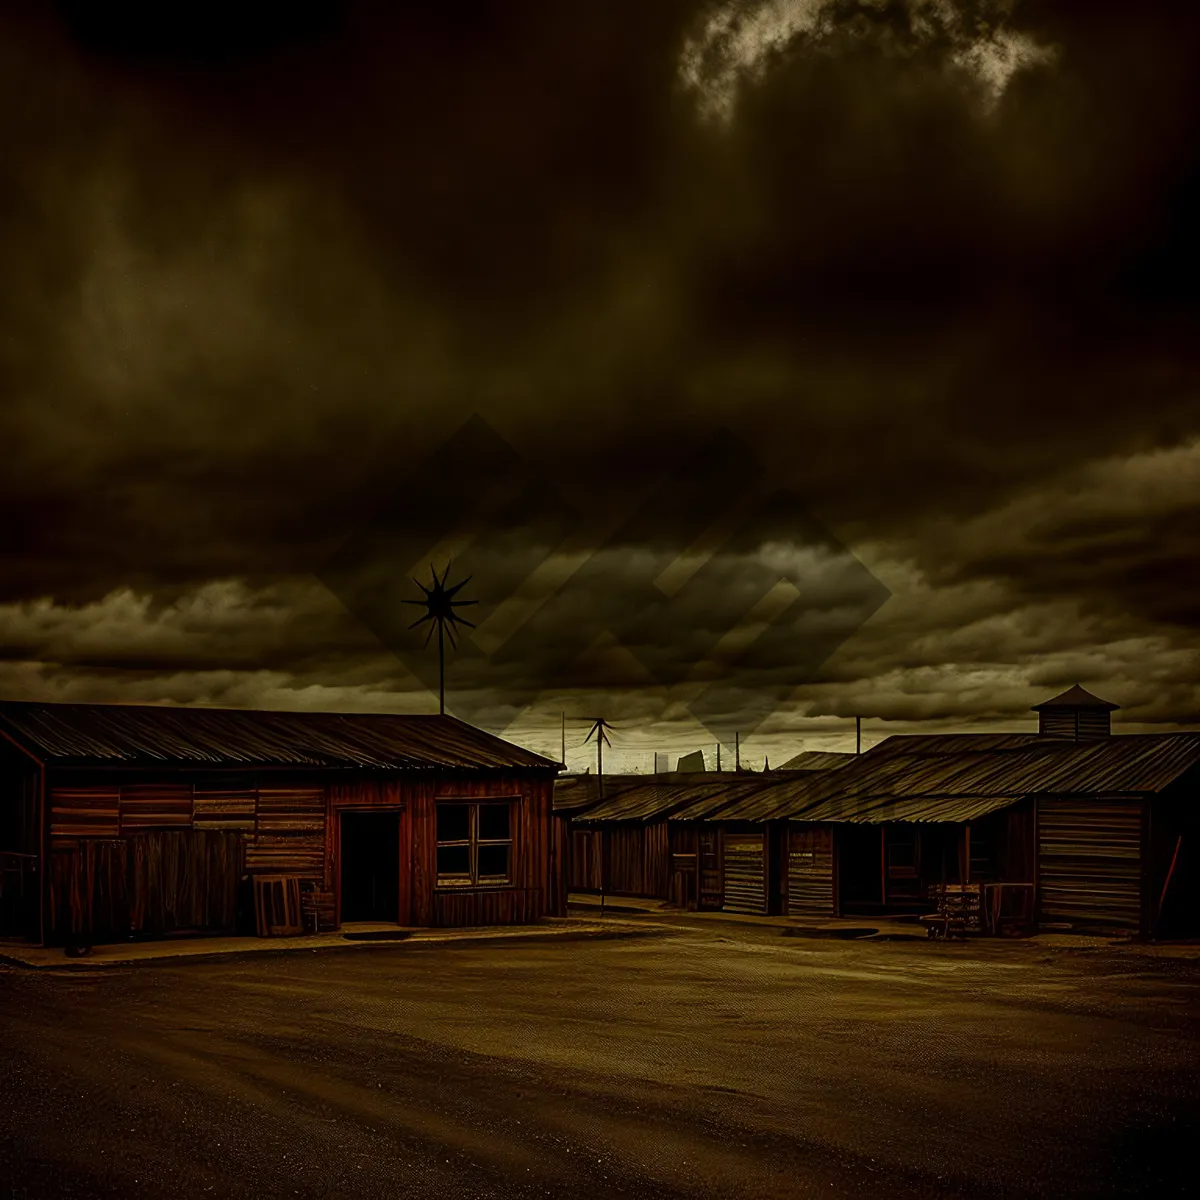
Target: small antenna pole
[737, 751]
[858, 735]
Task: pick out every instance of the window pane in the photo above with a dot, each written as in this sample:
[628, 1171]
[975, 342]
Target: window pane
[454, 860]
[453, 822]
[493, 822]
[493, 862]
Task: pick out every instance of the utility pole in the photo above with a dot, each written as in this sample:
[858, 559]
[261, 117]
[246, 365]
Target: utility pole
[858, 735]
[737, 751]
[564, 739]
[718, 756]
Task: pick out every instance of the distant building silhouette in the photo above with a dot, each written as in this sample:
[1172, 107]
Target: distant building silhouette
[691, 762]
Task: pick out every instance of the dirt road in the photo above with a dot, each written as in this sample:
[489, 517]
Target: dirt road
[705, 1062]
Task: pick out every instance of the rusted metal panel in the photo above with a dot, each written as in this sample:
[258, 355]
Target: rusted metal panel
[745, 873]
[115, 734]
[810, 871]
[1090, 863]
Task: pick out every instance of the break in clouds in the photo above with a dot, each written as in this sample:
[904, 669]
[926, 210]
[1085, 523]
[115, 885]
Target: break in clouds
[932, 265]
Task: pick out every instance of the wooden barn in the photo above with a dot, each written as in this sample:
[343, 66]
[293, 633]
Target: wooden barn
[1079, 827]
[123, 821]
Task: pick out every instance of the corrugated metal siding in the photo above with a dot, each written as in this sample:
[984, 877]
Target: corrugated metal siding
[745, 873]
[1089, 864]
[810, 872]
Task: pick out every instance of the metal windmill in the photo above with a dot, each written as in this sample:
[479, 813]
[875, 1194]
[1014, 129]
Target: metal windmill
[439, 603]
[599, 731]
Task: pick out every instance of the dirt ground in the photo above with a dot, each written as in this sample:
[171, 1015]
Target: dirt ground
[698, 1062]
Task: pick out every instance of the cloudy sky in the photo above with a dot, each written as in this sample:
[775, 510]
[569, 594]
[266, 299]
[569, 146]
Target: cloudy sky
[767, 363]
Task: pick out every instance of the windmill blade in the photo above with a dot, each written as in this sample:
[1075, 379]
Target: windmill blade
[428, 635]
[461, 621]
[452, 591]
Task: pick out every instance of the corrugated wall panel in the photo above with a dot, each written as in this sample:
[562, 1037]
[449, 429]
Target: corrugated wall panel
[810, 872]
[745, 874]
[1090, 864]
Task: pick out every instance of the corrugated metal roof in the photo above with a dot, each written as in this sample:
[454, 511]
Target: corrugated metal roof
[575, 793]
[817, 760]
[146, 735]
[874, 810]
[660, 796]
[951, 774]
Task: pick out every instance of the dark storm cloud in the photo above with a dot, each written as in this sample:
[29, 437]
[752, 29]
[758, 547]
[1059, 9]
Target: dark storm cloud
[260, 263]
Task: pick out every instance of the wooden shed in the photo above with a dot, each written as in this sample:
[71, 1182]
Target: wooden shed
[636, 849]
[119, 821]
[1100, 830]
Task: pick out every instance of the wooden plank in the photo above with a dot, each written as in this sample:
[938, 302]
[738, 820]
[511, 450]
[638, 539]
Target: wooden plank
[291, 810]
[224, 808]
[280, 855]
[146, 806]
[92, 812]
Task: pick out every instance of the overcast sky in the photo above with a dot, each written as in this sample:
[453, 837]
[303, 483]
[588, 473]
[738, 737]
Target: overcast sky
[788, 360]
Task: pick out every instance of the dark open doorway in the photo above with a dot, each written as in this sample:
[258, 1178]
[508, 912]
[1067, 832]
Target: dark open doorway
[860, 868]
[370, 866]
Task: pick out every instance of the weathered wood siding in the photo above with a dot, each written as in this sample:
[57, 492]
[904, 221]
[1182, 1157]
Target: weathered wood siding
[152, 883]
[539, 847]
[156, 855]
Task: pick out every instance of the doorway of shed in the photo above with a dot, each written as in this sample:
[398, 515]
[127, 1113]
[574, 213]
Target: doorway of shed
[370, 866]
